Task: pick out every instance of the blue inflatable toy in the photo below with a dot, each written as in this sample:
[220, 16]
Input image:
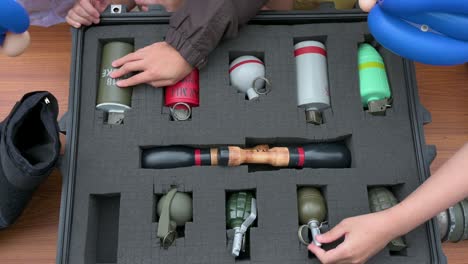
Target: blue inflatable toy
[13, 19]
[428, 31]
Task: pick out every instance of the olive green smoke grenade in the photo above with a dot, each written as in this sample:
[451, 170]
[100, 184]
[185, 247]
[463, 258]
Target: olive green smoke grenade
[312, 212]
[111, 98]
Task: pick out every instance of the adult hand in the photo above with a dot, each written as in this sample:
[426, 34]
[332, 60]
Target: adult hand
[366, 5]
[86, 12]
[364, 236]
[170, 5]
[159, 65]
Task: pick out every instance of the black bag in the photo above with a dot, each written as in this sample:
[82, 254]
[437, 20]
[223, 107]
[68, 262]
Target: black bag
[29, 149]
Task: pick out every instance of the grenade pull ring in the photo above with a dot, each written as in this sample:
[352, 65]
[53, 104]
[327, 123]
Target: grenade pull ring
[264, 90]
[179, 115]
[168, 239]
[314, 227]
[240, 231]
[312, 212]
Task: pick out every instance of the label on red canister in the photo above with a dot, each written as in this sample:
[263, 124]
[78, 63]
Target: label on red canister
[185, 91]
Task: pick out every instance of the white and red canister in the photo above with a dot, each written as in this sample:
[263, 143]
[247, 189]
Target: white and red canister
[247, 75]
[312, 79]
[184, 95]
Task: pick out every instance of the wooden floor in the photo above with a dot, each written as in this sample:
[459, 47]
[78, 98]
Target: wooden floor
[46, 65]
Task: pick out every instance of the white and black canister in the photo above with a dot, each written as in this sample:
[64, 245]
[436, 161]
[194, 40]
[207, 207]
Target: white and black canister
[312, 79]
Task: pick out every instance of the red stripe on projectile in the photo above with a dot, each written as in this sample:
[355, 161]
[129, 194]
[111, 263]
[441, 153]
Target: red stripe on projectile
[300, 163]
[197, 157]
[309, 50]
[244, 62]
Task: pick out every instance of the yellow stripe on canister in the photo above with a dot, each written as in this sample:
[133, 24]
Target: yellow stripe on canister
[368, 65]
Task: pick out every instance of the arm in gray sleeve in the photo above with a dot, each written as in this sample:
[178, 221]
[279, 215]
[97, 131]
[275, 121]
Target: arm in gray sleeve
[199, 25]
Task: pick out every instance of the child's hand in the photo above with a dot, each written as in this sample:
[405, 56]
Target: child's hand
[86, 12]
[366, 5]
[364, 236]
[15, 44]
[159, 65]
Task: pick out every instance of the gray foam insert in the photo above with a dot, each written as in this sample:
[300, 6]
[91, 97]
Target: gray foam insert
[108, 156]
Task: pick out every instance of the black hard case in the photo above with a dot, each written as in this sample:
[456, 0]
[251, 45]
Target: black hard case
[107, 211]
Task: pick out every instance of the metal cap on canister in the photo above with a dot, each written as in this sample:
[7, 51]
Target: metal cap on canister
[314, 117]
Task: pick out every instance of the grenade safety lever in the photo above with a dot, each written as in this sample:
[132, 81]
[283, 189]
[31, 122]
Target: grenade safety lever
[240, 231]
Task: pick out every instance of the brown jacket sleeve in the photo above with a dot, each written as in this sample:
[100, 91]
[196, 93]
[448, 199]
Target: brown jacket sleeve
[199, 25]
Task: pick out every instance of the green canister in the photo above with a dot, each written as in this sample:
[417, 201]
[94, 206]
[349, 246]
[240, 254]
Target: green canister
[373, 81]
[111, 98]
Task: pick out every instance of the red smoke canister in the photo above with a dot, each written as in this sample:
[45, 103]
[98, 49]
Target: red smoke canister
[182, 96]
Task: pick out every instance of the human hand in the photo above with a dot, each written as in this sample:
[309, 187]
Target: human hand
[15, 44]
[159, 65]
[364, 236]
[86, 12]
[170, 5]
[366, 5]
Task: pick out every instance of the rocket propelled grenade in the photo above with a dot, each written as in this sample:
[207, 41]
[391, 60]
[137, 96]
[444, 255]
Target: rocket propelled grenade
[373, 82]
[319, 155]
